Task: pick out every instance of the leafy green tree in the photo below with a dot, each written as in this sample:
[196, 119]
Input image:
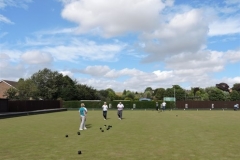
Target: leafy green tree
[47, 83]
[86, 93]
[226, 96]
[124, 92]
[179, 92]
[67, 89]
[11, 93]
[130, 95]
[205, 96]
[111, 94]
[169, 92]
[148, 93]
[159, 93]
[27, 89]
[148, 89]
[236, 87]
[102, 94]
[216, 94]
[234, 95]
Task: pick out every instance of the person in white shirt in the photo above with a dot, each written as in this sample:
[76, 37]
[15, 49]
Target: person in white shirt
[120, 107]
[105, 108]
[163, 105]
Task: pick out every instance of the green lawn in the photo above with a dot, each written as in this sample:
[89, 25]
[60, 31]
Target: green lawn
[146, 135]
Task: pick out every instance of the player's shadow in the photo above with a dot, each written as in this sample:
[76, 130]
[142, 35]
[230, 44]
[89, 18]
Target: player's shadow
[89, 125]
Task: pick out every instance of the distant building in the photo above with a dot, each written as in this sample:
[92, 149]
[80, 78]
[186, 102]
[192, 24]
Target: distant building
[144, 99]
[5, 85]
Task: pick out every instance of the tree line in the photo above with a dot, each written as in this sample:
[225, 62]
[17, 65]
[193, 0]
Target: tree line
[51, 85]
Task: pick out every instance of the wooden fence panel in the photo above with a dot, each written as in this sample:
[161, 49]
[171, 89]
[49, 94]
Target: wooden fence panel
[32, 105]
[3, 105]
[206, 104]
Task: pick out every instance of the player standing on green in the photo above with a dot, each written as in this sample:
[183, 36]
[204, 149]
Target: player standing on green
[120, 107]
[105, 108]
[83, 113]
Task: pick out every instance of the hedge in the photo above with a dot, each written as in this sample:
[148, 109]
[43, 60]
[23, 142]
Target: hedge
[127, 104]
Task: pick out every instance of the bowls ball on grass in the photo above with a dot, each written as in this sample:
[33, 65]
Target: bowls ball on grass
[78, 133]
[79, 152]
[66, 136]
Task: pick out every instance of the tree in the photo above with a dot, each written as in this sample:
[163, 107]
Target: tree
[148, 89]
[102, 94]
[159, 93]
[234, 96]
[169, 92]
[27, 89]
[47, 83]
[130, 96]
[236, 87]
[11, 93]
[67, 89]
[124, 92]
[111, 94]
[86, 93]
[179, 92]
[216, 94]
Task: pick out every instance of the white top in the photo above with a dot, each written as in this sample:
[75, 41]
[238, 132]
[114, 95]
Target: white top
[120, 107]
[105, 107]
[164, 104]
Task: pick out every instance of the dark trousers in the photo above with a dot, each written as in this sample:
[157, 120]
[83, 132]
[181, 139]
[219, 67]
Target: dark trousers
[105, 114]
[119, 113]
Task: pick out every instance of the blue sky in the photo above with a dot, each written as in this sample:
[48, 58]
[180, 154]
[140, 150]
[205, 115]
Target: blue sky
[123, 44]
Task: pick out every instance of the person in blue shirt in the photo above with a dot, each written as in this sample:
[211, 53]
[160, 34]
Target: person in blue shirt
[83, 113]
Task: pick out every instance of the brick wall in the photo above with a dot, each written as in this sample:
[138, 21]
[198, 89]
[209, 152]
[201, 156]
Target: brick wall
[3, 88]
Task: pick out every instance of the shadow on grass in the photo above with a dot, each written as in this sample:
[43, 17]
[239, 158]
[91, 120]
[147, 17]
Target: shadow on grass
[88, 125]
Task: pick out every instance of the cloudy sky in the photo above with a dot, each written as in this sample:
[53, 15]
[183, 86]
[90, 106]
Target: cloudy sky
[123, 44]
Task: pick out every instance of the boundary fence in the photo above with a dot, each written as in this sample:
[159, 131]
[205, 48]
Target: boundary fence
[33, 105]
[206, 104]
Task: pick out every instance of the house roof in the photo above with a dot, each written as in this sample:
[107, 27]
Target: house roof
[11, 83]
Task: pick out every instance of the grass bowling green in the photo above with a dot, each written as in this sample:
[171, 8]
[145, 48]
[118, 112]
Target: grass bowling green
[140, 135]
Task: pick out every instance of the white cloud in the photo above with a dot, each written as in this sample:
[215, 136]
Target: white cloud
[13, 54]
[225, 26]
[112, 18]
[231, 81]
[11, 72]
[36, 57]
[96, 70]
[201, 59]
[67, 73]
[123, 72]
[185, 32]
[232, 2]
[5, 20]
[3, 34]
[88, 50]
[14, 3]
[57, 31]
[232, 56]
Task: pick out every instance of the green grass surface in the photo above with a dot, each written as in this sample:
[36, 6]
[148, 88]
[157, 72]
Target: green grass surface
[146, 135]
